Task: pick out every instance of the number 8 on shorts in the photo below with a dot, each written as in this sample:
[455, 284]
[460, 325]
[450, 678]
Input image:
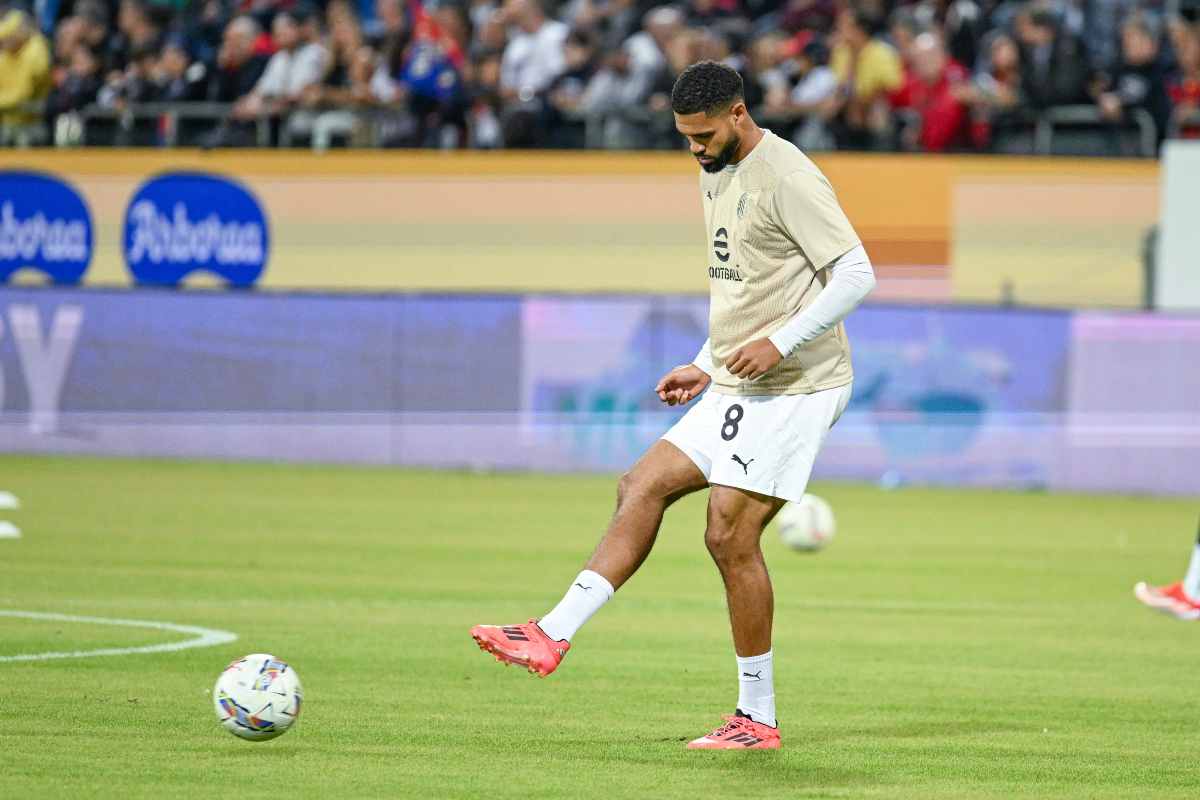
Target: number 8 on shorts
[733, 415]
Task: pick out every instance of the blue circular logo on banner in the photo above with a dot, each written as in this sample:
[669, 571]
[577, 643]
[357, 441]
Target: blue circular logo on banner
[44, 225]
[185, 222]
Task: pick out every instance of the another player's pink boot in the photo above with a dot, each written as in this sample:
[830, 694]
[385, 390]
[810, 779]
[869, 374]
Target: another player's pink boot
[738, 733]
[525, 645]
[1170, 599]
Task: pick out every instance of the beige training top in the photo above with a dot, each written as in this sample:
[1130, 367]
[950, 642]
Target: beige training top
[774, 224]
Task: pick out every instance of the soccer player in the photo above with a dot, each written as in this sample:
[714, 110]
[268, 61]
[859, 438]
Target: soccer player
[1180, 599]
[785, 267]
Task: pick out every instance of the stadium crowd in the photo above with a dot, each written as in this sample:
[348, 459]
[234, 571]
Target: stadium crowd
[933, 75]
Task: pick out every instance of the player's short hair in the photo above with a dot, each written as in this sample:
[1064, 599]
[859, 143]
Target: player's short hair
[706, 86]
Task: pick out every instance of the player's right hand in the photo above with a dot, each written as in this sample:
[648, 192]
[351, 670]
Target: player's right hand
[682, 384]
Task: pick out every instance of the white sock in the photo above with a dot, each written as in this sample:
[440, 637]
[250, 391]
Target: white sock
[756, 688]
[1191, 581]
[589, 591]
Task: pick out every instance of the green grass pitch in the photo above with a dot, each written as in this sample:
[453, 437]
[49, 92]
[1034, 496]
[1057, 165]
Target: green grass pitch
[949, 644]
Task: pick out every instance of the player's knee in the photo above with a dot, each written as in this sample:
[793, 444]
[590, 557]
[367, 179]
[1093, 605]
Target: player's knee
[640, 487]
[630, 487]
[728, 542]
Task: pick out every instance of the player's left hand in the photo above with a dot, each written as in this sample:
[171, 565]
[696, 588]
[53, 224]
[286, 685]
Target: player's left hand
[754, 360]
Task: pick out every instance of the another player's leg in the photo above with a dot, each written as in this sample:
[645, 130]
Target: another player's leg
[736, 519]
[659, 478]
[1180, 599]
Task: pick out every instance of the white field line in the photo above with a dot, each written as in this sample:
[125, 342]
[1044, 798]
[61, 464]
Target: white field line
[204, 637]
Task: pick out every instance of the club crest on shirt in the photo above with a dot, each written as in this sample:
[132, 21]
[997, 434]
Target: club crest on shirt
[743, 205]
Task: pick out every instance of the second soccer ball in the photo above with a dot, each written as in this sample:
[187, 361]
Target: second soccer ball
[807, 526]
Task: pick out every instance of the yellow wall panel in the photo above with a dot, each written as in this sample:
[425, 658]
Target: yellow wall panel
[1049, 231]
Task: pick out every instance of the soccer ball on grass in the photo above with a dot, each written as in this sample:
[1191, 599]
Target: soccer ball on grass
[258, 697]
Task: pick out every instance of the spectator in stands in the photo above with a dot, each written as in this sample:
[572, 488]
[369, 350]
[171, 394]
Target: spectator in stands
[136, 32]
[804, 108]
[391, 35]
[299, 62]
[868, 69]
[76, 84]
[24, 78]
[683, 50]
[429, 70]
[239, 65]
[204, 29]
[68, 36]
[903, 29]
[1184, 88]
[930, 92]
[615, 95]
[1140, 81]
[613, 21]
[1101, 31]
[93, 16]
[532, 60]
[454, 31]
[717, 45]
[390, 31]
[620, 88]
[769, 67]
[397, 126]
[533, 57]
[134, 84]
[485, 106]
[565, 96]
[330, 107]
[1179, 31]
[1054, 67]
[962, 28]
[177, 79]
[647, 49]
[621, 20]
[489, 37]
[994, 94]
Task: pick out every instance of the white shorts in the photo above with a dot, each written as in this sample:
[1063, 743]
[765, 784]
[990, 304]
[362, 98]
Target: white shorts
[766, 444]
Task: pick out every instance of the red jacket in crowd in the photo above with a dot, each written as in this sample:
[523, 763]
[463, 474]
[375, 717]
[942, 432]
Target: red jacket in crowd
[943, 118]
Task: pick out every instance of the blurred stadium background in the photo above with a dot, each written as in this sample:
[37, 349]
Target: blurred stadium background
[1102, 77]
[345, 308]
[269, 231]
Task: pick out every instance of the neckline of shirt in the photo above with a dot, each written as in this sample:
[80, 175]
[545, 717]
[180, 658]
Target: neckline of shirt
[754, 151]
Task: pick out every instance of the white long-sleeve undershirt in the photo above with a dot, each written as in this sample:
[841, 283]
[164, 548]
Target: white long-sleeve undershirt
[851, 279]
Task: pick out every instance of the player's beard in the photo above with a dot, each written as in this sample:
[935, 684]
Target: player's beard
[722, 159]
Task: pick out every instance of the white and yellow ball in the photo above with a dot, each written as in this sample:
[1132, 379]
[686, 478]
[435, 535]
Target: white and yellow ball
[806, 526]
